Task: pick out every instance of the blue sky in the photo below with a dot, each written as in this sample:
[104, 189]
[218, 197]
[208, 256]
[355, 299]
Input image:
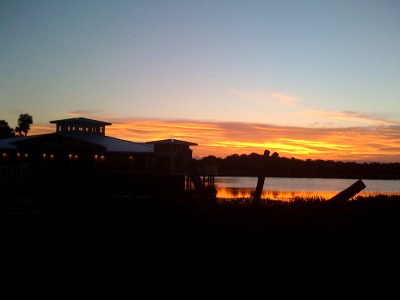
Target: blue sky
[308, 64]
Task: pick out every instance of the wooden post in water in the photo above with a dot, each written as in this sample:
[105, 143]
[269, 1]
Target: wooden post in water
[350, 192]
[261, 177]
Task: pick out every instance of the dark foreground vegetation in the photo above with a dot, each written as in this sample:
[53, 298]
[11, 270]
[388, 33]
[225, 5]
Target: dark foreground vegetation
[249, 165]
[85, 245]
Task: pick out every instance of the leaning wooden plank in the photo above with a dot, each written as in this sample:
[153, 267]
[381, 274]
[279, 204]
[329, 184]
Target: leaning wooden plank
[350, 192]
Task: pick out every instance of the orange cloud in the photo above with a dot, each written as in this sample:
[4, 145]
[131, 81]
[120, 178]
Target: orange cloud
[379, 143]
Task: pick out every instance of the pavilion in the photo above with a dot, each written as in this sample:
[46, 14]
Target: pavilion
[79, 147]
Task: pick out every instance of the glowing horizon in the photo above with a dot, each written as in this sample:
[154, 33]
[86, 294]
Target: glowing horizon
[361, 144]
[307, 79]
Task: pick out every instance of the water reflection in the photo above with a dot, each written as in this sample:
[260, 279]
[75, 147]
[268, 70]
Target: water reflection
[289, 188]
[234, 193]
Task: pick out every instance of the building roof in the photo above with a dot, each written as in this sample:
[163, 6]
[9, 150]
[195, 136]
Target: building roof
[112, 144]
[80, 120]
[172, 142]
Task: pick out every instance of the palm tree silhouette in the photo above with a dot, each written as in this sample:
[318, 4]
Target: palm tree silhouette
[24, 124]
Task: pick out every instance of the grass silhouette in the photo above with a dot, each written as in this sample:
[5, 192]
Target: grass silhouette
[79, 242]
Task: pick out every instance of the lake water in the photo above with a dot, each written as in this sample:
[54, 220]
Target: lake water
[287, 188]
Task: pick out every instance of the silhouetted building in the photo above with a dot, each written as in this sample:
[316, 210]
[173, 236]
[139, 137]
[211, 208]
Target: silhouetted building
[172, 156]
[80, 148]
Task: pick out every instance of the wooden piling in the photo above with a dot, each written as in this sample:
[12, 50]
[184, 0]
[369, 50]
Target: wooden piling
[261, 177]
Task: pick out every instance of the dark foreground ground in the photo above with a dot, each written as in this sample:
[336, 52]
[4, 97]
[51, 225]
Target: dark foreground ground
[87, 247]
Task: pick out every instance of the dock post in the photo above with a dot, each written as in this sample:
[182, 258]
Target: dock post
[261, 177]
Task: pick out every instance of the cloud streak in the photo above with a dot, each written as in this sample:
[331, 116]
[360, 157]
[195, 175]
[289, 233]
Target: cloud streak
[285, 99]
[271, 99]
[361, 118]
[278, 101]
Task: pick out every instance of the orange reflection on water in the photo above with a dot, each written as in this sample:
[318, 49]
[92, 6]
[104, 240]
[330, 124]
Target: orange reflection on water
[247, 193]
[235, 193]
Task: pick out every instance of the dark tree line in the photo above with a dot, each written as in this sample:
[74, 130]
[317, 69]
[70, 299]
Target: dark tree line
[249, 165]
[24, 125]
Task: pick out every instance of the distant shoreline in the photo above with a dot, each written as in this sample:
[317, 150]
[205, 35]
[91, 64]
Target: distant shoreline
[256, 164]
[316, 177]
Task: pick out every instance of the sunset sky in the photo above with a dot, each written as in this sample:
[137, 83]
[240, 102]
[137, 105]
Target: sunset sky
[306, 79]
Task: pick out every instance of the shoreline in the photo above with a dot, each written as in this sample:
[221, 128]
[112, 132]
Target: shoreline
[313, 177]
